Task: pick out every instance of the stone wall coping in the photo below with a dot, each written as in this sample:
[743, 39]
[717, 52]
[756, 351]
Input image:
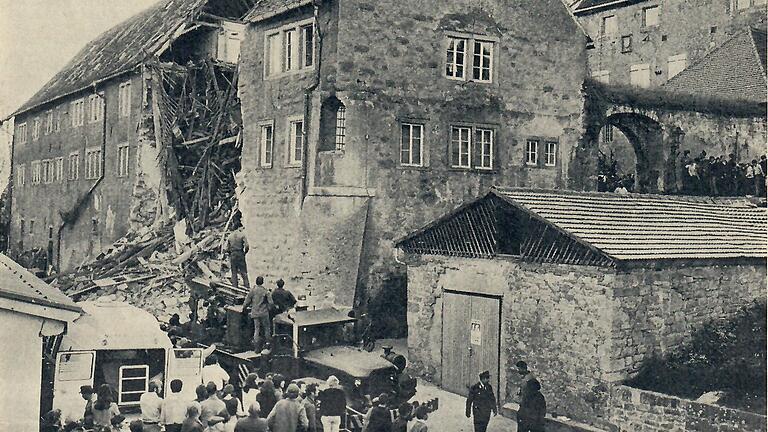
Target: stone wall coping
[552, 423]
[344, 191]
[639, 392]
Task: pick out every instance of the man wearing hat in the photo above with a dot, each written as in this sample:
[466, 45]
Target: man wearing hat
[89, 395]
[481, 402]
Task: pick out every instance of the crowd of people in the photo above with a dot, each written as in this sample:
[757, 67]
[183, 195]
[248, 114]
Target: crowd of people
[720, 175]
[262, 405]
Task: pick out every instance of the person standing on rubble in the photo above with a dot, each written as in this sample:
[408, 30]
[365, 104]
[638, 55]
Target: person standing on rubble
[237, 245]
[283, 298]
[258, 303]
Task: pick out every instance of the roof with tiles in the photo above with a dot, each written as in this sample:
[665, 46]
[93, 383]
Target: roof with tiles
[18, 283]
[652, 227]
[266, 9]
[118, 50]
[734, 70]
[619, 227]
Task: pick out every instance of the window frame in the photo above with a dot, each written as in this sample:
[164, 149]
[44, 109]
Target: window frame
[22, 131]
[88, 168]
[124, 99]
[291, 161]
[535, 152]
[475, 153]
[340, 129]
[123, 164]
[603, 26]
[21, 174]
[35, 168]
[293, 57]
[481, 146]
[626, 48]
[468, 66]
[36, 122]
[453, 142]
[264, 161]
[49, 122]
[77, 112]
[640, 67]
[58, 169]
[95, 107]
[547, 153]
[76, 170]
[644, 13]
[411, 125]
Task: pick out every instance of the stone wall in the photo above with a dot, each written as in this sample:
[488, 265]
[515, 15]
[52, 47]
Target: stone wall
[581, 329]
[691, 27]
[657, 310]
[385, 62]
[641, 410]
[105, 216]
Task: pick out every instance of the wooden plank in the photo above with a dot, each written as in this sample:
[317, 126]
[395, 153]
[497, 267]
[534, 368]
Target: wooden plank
[455, 346]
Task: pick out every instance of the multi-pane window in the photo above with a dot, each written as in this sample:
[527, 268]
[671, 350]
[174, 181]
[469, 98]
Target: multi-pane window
[484, 141]
[640, 75]
[132, 382]
[77, 112]
[48, 122]
[411, 144]
[124, 99]
[92, 163]
[21, 133]
[602, 76]
[267, 145]
[296, 142]
[676, 64]
[455, 59]
[290, 48]
[532, 152]
[482, 64]
[607, 134]
[461, 144]
[651, 16]
[95, 108]
[461, 50]
[21, 174]
[341, 129]
[57, 124]
[35, 172]
[58, 169]
[73, 172]
[46, 170]
[746, 4]
[35, 129]
[550, 153]
[609, 26]
[123, 156]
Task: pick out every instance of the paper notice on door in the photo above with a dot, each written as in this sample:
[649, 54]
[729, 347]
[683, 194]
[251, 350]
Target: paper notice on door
[475, 335]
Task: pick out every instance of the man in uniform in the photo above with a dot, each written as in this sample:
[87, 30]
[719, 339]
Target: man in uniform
[257, 304]
[237, 245]
[481, 402]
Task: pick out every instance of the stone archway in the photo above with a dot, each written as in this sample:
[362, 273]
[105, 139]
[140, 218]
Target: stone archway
[645, 135]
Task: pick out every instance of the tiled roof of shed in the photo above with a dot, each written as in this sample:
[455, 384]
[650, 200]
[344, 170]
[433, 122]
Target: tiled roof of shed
[652, 227]
[266, 9]
[18, 283]
[118, 50]
[734, 70]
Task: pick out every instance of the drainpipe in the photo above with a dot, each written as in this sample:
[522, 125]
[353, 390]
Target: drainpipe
[308, 104]
[97, 182]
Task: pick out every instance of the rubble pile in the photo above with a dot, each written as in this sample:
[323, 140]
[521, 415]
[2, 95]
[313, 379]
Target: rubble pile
[148, 268]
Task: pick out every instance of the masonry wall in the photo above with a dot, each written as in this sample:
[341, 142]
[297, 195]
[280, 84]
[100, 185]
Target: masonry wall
[641, 410]
[555, 317]
[106, 215]
[386, 62]
[657, 310]
[581, 329]
[690, 27]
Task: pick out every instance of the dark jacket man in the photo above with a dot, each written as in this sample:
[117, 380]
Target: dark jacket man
[533, 407]
[283, 298]
[481, 402]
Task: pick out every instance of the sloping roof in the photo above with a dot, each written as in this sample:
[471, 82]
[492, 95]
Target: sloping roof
[734, 70]
[266, 9]
[118, 50]
[636, 227]
[18, 283]
[592, 5]
[114, 326]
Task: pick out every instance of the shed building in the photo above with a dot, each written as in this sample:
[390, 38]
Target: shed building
[30, 309]
[582, 286]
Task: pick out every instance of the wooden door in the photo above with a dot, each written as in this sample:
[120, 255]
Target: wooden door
[470, 339]
[456, 312]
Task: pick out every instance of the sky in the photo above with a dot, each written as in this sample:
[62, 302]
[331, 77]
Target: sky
[38, 37]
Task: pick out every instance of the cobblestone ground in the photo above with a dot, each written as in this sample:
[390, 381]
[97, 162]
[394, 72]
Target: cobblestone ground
[450, 416]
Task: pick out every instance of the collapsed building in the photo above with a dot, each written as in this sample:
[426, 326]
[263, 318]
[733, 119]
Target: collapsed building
[141, 125]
